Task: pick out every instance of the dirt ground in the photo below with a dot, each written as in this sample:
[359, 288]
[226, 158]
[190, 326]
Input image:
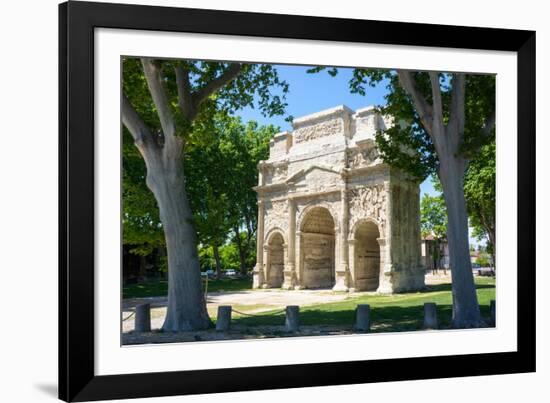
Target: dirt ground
[247, 301]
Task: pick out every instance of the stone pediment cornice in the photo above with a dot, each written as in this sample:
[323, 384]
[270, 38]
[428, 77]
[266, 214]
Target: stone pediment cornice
[366, 169]
[302, 172]
[288, 182]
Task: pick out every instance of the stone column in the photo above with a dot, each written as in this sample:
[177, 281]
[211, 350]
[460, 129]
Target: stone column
[266, 266]
[290, 272]
[342, 268]
[384, 285]
[298, 262]
[258, 273]
[351, 258]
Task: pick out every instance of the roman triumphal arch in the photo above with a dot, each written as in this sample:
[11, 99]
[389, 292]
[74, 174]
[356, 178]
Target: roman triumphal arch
[331, 214]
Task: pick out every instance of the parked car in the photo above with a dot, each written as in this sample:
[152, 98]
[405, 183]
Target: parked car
[209, 273]
[486, 271]
[230, 273]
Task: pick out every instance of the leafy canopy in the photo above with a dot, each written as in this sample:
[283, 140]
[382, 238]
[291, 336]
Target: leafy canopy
[433, 216]
[256, 85]
[407, 145]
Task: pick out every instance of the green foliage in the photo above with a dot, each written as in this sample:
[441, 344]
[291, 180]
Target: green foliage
[141, 225]
[396, 143]
[220, 180]
[480, 193]
[433, 216]
[206, 258]
[256, 85]
[224, 149]
[407, 145]
[229, 255]
[484, 260]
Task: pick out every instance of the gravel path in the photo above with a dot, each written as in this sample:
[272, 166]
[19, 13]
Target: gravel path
[248, 301]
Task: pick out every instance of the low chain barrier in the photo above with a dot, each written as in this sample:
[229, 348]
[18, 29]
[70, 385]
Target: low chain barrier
[129, 316]
[258, 314]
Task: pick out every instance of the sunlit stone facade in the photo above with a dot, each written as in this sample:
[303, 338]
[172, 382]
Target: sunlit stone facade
[331, 214]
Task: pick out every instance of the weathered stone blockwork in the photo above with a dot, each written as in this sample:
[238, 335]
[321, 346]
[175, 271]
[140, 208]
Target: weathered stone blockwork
[332, 214]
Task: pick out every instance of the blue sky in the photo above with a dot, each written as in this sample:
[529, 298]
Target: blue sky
[309, 93]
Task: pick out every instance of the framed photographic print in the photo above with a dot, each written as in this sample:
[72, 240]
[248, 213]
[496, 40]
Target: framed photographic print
[258, 201]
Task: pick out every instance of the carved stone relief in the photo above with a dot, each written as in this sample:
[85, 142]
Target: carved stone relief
[318, 175]
[276, 215]
[319, 130]
[362, 157]
[368, 202]
[276, 173]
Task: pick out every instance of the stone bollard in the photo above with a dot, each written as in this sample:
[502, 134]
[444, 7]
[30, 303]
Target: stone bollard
[142, 321]
[493, 309]
[430, 316]
[223, 321]
[292, 320]
[362, 318]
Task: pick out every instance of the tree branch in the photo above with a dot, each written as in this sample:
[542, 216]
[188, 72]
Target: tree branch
[489, 124]
[135, 125]
[151, 68]
[202, 93]
[457, 118]
[185, 100]
[423, 108]
[437, 115]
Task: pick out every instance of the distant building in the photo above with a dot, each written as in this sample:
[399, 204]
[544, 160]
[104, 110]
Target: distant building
[430, 258]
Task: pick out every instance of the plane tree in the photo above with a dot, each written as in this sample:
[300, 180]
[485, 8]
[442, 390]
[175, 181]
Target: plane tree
[444, 118]
[167, 105]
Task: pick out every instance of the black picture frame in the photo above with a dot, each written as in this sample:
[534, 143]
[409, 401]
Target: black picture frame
[77, 21]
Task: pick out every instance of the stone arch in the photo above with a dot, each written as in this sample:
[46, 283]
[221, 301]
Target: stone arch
[360, 221]
[366, 254]
[318, 229]
[275, 258]
[273, 231]
[315, 204]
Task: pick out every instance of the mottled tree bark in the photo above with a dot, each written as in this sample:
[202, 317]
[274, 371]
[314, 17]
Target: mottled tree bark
[186, 308]
[465, 305]
[447, 139]
[216, 250]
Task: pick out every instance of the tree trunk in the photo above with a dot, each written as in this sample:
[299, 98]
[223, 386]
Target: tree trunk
[142, 268]
[490, 231]
[466, 312]
[186, 308]
[216, 250]
[242, 252]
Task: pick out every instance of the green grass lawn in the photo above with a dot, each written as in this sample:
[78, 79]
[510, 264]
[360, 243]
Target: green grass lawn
[389, 313]
[159, 288]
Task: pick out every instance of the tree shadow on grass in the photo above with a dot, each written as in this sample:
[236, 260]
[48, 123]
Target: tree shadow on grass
[383, 319]
[448, 287]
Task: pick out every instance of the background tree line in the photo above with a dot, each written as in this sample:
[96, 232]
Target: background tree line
[169, 107]
[480, 194]
[221, 172]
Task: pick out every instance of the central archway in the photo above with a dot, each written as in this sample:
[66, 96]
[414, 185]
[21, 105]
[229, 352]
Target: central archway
[318, 242]
[276, 261]
[367, 257]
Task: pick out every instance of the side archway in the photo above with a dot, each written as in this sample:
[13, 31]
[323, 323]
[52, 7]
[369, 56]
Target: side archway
[275, 259]
[317, 256]
[366, 255]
